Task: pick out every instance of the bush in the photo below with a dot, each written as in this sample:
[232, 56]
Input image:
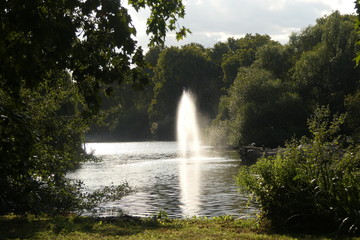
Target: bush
[41, 140]
[312, 185]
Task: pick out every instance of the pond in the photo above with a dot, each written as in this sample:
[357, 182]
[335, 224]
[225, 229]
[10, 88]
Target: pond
[202, 186]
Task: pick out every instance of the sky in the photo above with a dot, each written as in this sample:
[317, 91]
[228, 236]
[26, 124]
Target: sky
[211, 21]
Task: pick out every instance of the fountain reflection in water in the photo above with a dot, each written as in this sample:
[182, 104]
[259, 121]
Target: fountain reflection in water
[188, 138]
[188, 134]
[164, 178]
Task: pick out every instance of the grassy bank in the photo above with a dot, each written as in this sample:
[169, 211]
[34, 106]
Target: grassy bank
[78, 228]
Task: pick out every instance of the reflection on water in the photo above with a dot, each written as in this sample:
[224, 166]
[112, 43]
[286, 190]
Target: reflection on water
[190, 178]
[181, 187]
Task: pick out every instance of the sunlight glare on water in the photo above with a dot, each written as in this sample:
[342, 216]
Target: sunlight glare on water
[182, 187]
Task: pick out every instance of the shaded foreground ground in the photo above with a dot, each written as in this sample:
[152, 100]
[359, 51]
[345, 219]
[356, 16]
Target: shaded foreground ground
[14, 227]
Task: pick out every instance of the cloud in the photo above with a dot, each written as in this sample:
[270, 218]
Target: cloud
[216, 20]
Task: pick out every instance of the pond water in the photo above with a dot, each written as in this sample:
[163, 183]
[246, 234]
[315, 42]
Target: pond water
[182, 187]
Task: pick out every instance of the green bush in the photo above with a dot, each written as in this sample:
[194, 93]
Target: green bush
[312, 185]
[41, 140]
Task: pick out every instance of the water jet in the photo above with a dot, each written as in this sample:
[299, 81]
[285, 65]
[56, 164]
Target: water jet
[188, 133]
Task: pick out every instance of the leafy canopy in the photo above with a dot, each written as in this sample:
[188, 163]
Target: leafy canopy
[94, 40]
[57, 57]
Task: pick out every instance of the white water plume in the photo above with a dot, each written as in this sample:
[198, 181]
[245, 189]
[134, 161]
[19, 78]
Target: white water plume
[188, 133]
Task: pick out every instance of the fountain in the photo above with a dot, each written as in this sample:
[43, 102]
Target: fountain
[188, 134]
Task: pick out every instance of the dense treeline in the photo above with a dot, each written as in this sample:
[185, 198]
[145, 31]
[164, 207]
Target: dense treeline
[303, 96]
[253, 89]
[270, 100]
[312, 184]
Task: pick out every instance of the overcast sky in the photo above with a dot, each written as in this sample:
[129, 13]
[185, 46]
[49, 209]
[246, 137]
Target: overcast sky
[212, 21]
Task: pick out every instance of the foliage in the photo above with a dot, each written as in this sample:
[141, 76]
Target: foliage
[325, 73]
[187, 67]
[40, 142]
[123, 115]
[39, 145]
[315, 67]
[92, 39]
[357, 27]
[352, 103]
[57, 61]
[163, 18]
[312, 184]
[261, 109]
[217, 52]
[241, 53]
[200, 70]
[275, 58]
[271, 89]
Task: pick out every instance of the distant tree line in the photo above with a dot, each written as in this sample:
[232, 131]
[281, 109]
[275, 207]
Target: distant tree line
[253, 89]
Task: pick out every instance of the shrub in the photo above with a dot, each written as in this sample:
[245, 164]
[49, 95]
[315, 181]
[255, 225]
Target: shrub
[312, 184]
[41, 140]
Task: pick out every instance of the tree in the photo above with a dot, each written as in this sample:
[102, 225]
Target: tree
[242, 54]
[92, 39]
[275, 58]
[152, 55]
[177, 69]
[314, 68]
[324, 72]
[123, 115]
[217, 52]
[357, 27]
[40, 142]
[261, 109]
[58, 55]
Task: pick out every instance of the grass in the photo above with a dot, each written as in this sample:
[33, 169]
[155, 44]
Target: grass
[81, 228]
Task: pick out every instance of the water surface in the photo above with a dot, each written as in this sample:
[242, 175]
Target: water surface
[182, 187]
